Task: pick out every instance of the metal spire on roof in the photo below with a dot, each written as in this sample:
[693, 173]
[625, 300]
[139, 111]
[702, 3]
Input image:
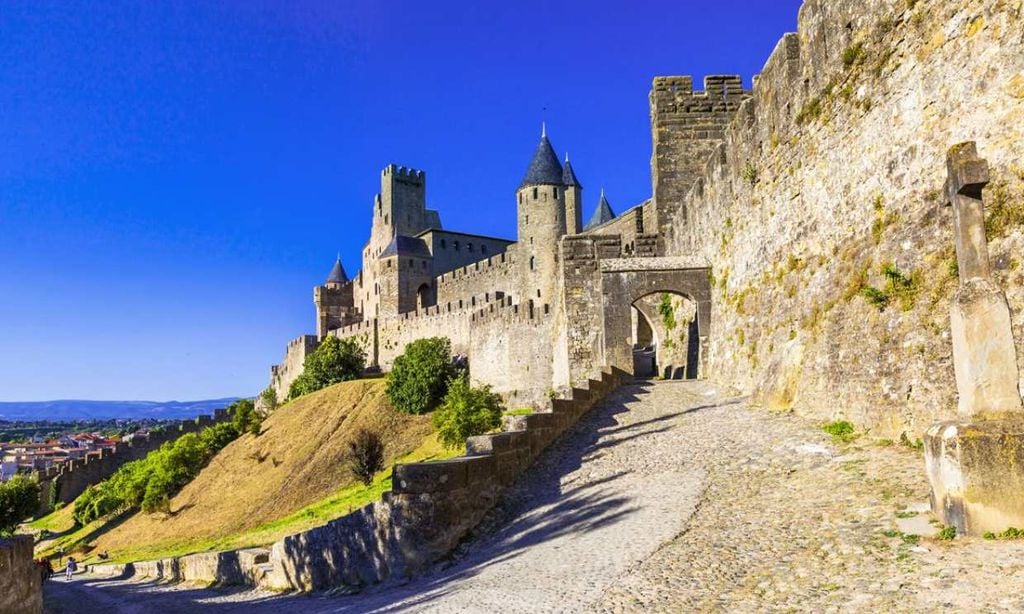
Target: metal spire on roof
[543, 129]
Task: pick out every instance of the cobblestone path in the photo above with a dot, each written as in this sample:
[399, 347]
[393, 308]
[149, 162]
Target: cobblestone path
[673, 497]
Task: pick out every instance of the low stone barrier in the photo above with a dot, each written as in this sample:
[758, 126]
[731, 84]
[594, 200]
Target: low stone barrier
[431, 507]
[20, 581]
[221, 568]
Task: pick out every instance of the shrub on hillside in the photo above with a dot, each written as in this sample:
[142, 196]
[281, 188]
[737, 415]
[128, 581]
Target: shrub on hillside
[269, 398]
[149, 483]
[466, 411]
[336, 360]
[19, 499]
[365, 456]
[419, 378]
[245, 418]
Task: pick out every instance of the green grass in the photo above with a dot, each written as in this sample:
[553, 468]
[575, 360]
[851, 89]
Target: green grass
[946, 534]
[522, 411]
[841, 431]
[342, 502]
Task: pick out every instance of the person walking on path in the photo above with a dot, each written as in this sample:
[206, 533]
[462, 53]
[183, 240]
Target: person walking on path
[72, 567]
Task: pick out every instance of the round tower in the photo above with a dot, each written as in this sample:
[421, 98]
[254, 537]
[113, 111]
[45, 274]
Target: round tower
[541, 210]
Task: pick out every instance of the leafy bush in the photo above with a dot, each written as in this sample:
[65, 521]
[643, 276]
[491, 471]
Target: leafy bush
[336, 360]
[946, 534]
[365, 456]
[19, 499]
[149, 483]
[419, 378]
[466, 411]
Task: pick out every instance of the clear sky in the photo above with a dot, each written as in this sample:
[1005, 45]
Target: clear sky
[175, 177]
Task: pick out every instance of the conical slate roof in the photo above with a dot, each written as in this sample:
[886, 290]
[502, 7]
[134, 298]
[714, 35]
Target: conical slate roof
[337, 275]
[602, 214]
[568, 176]
[544, 168]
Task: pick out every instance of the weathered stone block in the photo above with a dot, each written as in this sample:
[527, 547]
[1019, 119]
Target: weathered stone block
[983, 351]
[976, 471]
[430, 477]
[20, 582]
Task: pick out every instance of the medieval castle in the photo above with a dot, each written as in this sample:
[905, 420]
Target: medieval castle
[515, 308]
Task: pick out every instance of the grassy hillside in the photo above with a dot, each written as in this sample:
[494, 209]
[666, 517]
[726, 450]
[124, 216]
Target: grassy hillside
[260, 488]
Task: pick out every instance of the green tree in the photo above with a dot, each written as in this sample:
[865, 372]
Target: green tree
[365, 456]
[336, 360]
[466, 411]
[269, 398]
[19, 499]
[244, 416]
[419, 378]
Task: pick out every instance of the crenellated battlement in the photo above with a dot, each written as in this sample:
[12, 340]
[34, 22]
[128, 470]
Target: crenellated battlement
[479, 267]
[505, 310]
[675, 96]
[404, 173]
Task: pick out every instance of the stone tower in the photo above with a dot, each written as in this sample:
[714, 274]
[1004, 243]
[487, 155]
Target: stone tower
[333, 301]
[573, 199]
[541, 212]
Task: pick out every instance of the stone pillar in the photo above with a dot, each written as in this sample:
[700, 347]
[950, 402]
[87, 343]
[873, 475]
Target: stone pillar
[976, 464]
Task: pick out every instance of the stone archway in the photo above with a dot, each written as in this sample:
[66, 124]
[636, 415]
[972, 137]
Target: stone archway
[624, 281]
[671, 348]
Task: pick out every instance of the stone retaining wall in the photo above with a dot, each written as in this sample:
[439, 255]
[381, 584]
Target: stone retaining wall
[431, 507]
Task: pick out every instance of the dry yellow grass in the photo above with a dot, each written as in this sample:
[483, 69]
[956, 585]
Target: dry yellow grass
[295, 461]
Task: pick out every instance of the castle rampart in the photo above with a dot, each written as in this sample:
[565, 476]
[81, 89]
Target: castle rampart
[63, 483]
[829, 173]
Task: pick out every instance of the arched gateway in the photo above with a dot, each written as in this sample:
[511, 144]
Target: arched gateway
[625, 281]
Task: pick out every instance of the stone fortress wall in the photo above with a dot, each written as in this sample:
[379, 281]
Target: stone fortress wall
[834, 168]
[63, 483]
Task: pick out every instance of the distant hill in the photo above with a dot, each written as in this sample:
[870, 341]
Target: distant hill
[71, 410]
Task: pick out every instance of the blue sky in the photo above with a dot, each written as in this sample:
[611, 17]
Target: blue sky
[175, 177]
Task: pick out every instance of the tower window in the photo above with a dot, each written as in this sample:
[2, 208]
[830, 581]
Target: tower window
[556, 192]
[535, 193]
[483, 248]
[469, 246]
[531, 263]
[538, 292]
[385, 218]
[456, 244]
[444, 244]
[527, 219]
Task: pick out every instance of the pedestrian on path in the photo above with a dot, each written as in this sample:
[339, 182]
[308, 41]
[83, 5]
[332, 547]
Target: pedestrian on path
[72, 567]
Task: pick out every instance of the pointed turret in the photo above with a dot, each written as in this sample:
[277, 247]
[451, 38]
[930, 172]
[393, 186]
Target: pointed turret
[544, 168]
[338, 275]
[568, 175]
[573, 199]
[602, 214]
